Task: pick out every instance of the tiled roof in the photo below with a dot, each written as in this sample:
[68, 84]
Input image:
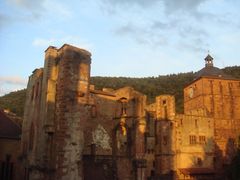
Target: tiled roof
[8, 128]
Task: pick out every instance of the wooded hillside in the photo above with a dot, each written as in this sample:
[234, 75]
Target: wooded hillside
[151, 86]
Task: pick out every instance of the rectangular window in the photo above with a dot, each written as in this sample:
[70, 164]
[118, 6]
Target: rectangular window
[220, 88]
[196, 123]
[192, 139]
[202, 140]
[165, 140]
[164, 102]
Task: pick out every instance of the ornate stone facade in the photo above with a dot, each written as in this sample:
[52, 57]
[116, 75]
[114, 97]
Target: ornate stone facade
[73, 131]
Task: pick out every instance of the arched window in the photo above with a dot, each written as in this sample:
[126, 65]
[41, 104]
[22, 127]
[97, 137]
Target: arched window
[121, 134]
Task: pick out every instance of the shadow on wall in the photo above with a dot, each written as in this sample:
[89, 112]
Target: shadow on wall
[223, 166]
[227, 164]
[233, 169]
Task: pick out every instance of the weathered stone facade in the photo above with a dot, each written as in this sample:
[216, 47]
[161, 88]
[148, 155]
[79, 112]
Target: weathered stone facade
[73, 131]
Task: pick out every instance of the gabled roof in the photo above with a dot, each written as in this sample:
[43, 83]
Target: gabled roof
[8, 128]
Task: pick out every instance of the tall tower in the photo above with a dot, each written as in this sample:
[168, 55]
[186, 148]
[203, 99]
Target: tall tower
[72, 94]
[215, 94]
[212, 93]
[165, 136]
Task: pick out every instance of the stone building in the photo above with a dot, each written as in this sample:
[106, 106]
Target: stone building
[73, 131]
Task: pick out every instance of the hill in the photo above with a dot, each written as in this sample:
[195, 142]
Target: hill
[151, 86]
[14, 101]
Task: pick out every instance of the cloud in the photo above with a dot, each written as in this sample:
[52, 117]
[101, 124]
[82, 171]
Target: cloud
[192, 31]
[43, 42]
[28, 4]
[128, 28]
[141, 34]
[172, 6]
[4, 20]
[34, 10]
[28, 7]
[73, 40]
[12, 80]
[11, 83]
[141, 3]
[57, 8]
[161, 24]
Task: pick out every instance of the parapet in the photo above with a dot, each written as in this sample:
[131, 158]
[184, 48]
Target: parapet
[69, 51]
[67, 47]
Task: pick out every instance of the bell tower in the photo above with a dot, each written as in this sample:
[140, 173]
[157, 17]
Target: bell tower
[208, 61]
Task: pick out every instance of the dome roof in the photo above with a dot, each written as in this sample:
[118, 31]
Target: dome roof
[210, 71]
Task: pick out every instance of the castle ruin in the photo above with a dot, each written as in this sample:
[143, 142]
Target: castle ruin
[72, 131]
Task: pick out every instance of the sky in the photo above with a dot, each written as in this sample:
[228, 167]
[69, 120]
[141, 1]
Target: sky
[131, 38]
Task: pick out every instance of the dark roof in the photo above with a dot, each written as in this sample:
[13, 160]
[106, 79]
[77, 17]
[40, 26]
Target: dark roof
[8, 128]
[211, 71]
[208, 58]
[196, 171]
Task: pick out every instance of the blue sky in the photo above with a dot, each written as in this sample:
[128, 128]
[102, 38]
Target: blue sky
[133, 38]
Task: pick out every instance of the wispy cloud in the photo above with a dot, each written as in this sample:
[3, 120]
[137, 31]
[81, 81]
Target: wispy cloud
[40, 42]
[171, 6]
[55, 7]
[165, 22]
[11, 83]
[73, 40]
[188, 6]
[12, 80]
[28, 4]
[4, 20]
[34, 10]
[29, 7]
[141, 34]
[141, 3]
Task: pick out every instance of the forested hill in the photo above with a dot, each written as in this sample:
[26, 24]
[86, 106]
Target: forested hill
[151, 86]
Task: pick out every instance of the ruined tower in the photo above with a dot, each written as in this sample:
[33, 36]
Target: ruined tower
[165, 136]
[52, 133]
